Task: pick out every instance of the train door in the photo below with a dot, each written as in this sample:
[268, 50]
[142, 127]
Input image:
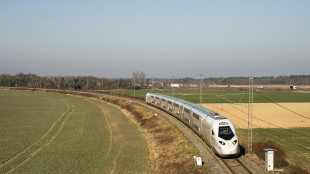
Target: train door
[157, 100]
[176, 110]
[213, 138]
[153, 100]
[206, 132]
[163, 103]
[186, 116]
[196, 125]
[170, 106]
[201, 127]
[181, 112]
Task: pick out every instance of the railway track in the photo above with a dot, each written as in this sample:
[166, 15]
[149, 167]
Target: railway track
[234, 165]
[231, 165]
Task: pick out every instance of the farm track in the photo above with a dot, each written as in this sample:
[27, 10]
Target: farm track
[42, 138]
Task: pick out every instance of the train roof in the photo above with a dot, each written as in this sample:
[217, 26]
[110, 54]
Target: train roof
[193, 106]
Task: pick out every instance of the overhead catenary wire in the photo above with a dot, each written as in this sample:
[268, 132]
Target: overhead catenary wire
[257, 126]
[272, 124]
[230, 102]
[283, 106]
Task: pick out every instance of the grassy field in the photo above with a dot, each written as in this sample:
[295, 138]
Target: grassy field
[55, 133]
[294, 141]
[226, 96]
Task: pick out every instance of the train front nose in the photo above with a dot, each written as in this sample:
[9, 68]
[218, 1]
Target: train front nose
[228, 148]
[231, 150]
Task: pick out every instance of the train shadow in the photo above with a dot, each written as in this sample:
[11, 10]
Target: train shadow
[242, 151]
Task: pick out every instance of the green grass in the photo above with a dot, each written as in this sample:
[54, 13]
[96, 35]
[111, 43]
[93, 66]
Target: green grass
[295, 141]
[225, 96]
[82, 136]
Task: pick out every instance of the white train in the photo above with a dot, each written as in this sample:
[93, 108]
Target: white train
[216, 130]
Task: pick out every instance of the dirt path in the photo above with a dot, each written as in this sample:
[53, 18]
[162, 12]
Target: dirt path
[46, 144]
[266, 115]
[41, 138]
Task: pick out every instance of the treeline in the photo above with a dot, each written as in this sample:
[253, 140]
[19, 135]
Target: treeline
[267, 80]
[63, 82]
[138, 79]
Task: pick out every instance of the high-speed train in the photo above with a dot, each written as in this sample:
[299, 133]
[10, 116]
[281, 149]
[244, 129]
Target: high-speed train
[216, 130]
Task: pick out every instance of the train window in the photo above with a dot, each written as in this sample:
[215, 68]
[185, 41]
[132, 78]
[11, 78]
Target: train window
[226, 133]
[169, 102]
[196, 116]
[186, 120]
[212, 132]
[196, 127]
[176, 105]
[152, 96]
[163, 100]
[186, 110]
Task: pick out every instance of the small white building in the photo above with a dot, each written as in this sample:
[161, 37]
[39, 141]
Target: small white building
[175, 85]
[260, 87]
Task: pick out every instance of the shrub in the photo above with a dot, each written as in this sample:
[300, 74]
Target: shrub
[296, 168]
[280, 155]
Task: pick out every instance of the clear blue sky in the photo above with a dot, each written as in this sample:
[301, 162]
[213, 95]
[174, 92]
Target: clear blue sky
[163, 38]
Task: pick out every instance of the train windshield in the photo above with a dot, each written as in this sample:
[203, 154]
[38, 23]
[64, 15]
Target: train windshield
[226, 133]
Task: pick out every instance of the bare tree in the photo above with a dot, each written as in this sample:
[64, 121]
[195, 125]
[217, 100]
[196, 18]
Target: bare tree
[135, 76]
[141, 78]
[138, 78]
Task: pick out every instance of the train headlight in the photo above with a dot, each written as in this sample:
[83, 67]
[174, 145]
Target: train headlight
[222, 142]
[234, 142]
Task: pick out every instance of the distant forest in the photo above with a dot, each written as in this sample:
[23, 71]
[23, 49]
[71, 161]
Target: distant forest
[268, 80]
[62, 82]
[96, 83]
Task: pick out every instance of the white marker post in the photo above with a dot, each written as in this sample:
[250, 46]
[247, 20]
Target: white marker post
[198, 161]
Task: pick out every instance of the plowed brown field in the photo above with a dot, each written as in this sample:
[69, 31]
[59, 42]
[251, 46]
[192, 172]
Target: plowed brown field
[266, 115]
